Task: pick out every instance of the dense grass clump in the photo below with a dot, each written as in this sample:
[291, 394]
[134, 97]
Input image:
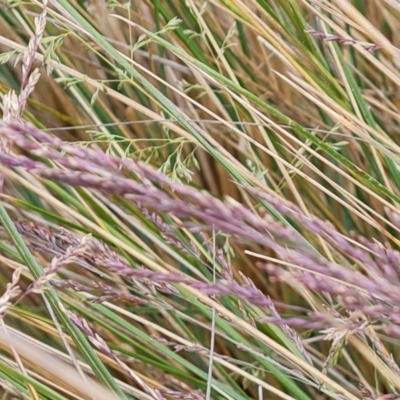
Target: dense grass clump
[200, 199]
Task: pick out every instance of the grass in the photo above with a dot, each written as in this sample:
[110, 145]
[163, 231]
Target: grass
[200, 200]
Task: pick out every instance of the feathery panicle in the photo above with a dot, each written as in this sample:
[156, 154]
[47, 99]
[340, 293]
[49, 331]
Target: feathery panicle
[12, 291]
[72, 254]
[14, 105]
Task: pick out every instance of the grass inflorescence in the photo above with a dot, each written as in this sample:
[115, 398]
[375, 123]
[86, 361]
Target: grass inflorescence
[200, 200]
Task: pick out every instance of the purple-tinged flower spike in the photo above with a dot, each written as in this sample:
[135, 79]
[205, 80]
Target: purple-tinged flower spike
[21, 134]
[181, 395]
[231, 217]
[291, 334]
[311, 323]
[70, 284]
[365, 393]
[377, 288]
[60, 239]
[346, 41]
[250, 294]
[387, 259]
[224, 215]
[169, 235]
[71, 255]
[318, 227]
[381, 351]
[379, 304]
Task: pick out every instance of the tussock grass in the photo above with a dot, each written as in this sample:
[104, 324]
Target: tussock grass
[200, 199]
